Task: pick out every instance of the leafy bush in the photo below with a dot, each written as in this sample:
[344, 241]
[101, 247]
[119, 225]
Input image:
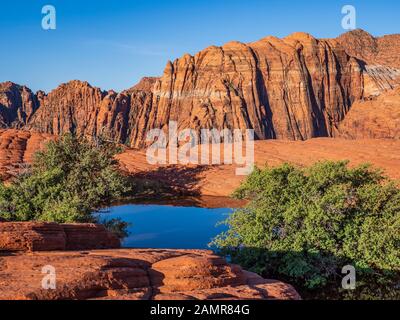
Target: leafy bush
[305, 225]
[67, 182]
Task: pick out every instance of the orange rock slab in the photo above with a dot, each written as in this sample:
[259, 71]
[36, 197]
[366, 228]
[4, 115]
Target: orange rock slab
[133, 274]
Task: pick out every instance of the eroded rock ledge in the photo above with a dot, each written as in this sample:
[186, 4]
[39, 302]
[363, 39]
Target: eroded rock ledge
[32, 236]
[131, 274]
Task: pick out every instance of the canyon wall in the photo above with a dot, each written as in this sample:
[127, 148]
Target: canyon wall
[295, 88]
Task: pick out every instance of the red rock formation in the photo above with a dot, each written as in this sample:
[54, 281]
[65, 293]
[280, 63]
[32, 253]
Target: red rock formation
[294, 88]
[78, 107]
[36, 236]
[376, 51]
[31, 237]
[131, 274]
[119, 273]
[16, 150]
[17, 105]
[72, 107]
[378, 118]
[145, 84]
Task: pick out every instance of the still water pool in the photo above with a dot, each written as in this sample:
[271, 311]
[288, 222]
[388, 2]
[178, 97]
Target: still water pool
[163, 226]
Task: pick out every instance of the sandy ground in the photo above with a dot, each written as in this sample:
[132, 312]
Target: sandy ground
[17, 148]
[221, 180]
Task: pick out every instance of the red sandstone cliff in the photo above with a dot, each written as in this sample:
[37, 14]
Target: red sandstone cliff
[379, 51]
[295, 88]
[16, 150]
[78, 107]
[17, 105]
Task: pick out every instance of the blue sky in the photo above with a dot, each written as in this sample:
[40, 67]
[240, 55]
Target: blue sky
[112, 44]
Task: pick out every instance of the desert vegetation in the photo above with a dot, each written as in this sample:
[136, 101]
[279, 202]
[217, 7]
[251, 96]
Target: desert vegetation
[67, 182]
[305, 224]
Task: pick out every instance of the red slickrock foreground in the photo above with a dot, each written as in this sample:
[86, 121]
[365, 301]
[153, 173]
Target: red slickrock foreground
[131, 274]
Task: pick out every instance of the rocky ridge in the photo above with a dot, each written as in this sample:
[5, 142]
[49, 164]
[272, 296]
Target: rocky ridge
[377, 118]
[17, 104]
[372, 50]
[295, 88]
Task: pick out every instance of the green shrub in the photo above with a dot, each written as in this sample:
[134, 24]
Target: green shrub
[304, 225]
[68, 181]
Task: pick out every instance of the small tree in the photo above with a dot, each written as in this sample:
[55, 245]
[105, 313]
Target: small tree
[68, 181]
[305, 225]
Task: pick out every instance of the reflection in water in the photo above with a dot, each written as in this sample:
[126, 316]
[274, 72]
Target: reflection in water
[162, 226]
[209, 202]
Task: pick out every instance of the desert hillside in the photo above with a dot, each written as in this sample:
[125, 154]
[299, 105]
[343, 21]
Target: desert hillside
[17, 148]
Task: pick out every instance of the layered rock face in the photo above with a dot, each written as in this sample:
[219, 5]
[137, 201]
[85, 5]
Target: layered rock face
[16, 150]
[17, 105]
[377, 118]
[293, 88]
[80, 108]
[376, 51]
[36, 236]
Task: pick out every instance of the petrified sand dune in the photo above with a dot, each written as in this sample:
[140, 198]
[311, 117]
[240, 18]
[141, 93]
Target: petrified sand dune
[119, 273]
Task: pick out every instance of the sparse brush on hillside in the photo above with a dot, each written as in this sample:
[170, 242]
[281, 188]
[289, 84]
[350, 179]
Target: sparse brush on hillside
[69, 180]
[305, 225]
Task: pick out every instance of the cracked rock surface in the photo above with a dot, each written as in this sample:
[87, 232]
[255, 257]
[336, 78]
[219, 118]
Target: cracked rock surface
[134, 274]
